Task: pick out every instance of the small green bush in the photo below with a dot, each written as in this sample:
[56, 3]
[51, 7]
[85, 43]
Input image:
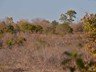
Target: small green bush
[10, 43]
[80, 63]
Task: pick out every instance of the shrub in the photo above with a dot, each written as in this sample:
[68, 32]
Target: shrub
[20, 40]
[80, 63]
[91, 48]
[89, 26]
[63, 29]
[50, 30]
[23, 25]
[73, 61]
[89, 22]
[31, 28]
[76, 63]
[10, 43]
[39, 29]
[28, 27]
[10, 29]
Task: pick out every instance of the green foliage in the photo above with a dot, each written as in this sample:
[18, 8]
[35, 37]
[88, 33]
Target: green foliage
[80, 63]
[63, 29]
[89, 22]
[73, 57]
[10, 42]
[71, 14]
[39, 29]
[25, 26]
[68, 16]
[63, 18]
[71, 54]
[10, 29]
[19, 41]
[75, 62]
[89, 26]
[28, 27]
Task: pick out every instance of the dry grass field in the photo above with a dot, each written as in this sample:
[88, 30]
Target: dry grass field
[40, 52]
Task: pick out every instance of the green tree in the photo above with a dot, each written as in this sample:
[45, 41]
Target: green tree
[63, 18]
[10, 42]
[71, 14]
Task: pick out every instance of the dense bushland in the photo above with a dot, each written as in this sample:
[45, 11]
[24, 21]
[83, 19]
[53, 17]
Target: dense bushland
[89, 26]
[43, 35]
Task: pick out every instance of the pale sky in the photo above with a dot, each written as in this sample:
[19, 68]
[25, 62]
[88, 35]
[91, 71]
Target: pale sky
[46, 9]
